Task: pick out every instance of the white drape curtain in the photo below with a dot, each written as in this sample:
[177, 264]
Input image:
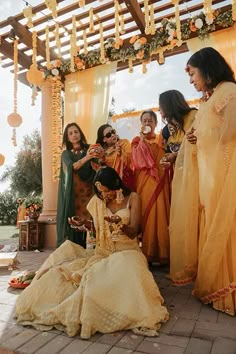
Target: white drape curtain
[88, 96]
[223, 41]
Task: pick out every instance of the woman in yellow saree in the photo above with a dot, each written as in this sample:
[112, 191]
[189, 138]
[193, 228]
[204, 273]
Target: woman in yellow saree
[152, 184]
[203, 205]
[103, 290]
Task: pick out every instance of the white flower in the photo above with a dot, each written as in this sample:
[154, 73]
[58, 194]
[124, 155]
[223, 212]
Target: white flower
[55, 72]
[198, 23]
[137, 45]
[209, 20]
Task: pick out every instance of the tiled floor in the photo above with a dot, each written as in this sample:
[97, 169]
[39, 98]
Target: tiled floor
[193, 328]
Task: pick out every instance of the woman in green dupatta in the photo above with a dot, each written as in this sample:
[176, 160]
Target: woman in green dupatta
[75, 185]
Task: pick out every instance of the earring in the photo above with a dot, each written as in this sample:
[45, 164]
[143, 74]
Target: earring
[119, 196]
[98, 185]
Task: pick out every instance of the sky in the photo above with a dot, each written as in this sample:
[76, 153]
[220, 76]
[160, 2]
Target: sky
[136, 90]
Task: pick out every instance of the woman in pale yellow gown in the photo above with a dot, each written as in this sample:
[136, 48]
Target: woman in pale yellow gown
[107, 289]
[203, 205]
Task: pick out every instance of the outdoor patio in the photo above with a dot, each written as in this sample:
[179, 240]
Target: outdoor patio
[193, 328]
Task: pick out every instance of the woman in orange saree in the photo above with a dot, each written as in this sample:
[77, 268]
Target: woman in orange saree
[203, 205]
[152, 184]
[117, 153]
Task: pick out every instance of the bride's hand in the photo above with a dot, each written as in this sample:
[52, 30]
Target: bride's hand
[77, 222]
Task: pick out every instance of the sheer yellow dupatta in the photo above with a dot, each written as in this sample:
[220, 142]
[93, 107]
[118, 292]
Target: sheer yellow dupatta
[203, 234]
[184, 216]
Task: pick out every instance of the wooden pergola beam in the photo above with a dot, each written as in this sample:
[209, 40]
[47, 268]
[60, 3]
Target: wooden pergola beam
[25, 37]
[20, 16]
[8, 50]
[136, 13]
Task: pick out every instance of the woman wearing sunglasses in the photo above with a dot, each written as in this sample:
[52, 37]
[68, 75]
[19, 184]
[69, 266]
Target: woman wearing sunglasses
[117, 153]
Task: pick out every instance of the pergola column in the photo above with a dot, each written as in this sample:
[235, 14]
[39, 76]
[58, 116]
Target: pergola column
[48, 217]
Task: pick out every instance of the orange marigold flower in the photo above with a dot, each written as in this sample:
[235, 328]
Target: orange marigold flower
[192, 27]
[133, 39]
[142, 40]
[140, 54]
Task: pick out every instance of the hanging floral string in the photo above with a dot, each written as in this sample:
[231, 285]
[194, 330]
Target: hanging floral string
[27, 12]
[47, 48]
[91, 22]
[34, 76]
[56, 127]
[52, 6]
[207, 8]
[14, 119]
[144, 68]
[57, 39]
[234, 10]
[146, 16]
[74, 49]
[122, 21]
[117, 33]
[152, 20]
[34, 62]
[72, 58]
[131, 70]
[177, 21]
[85, 42]
[102, 49]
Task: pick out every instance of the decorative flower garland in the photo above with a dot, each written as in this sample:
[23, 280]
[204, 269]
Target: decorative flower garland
[56, 128]
[166, 37]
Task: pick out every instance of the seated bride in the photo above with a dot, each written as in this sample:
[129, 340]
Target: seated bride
[105, 289]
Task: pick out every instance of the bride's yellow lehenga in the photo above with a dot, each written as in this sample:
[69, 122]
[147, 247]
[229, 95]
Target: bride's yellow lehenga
[84, 291]
[203, 205]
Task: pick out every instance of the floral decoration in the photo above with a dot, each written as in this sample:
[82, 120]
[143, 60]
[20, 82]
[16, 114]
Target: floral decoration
[142, 48]
[34, 205]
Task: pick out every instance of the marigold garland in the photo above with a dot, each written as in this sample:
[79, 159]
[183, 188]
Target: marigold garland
[146, 16]
[52, 6]
[165, 38]
[57, 39]
[56, 128]
[47, 48]
[28, 14]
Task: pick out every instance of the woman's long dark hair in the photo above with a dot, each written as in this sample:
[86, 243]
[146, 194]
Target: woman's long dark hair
[212, 66]
[67, 143]
[109, 178]
[100, 135]
[174, 106]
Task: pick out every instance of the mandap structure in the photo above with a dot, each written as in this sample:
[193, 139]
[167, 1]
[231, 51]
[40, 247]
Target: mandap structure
[73, 49]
